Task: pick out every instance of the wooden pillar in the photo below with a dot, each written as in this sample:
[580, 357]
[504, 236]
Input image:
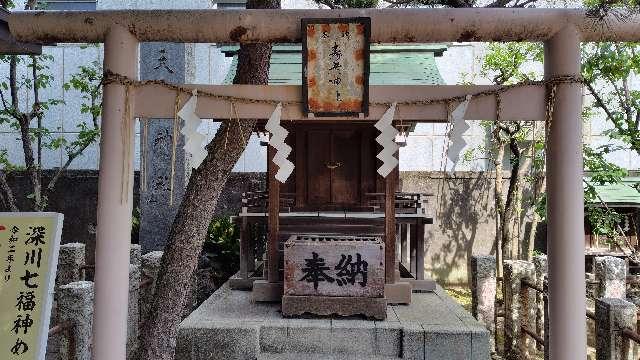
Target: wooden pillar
[420, 249]
[115, 200]
[273, 220]
[244, 247]
[404, 246]
[565, 208]
[413, 248]
[390, 226]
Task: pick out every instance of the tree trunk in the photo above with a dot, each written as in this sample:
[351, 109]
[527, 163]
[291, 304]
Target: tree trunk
[539, 186]
[498, 198]
[192, 220]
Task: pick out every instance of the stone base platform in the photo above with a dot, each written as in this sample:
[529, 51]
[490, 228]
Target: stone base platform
[373, 308]
[229, 325]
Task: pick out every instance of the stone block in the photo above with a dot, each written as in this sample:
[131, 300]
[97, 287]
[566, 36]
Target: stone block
[264, 291]
[344, 266]
[75, 307]
[447, 342]
[398, 293]
[610, 273]
[375, 308]
[135, 254]
[481, 343]
[388, 338]
[236, 282]
[483, 289]
[218, 341]
[70, 260]
[519, 310]
[613, 315]
[133, 321]
[297, 336]
[150, 268]
[421, 285]
[413, 342]
[343, 333]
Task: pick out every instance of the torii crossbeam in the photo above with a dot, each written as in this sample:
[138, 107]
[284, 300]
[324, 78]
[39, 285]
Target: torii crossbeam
[561, 30]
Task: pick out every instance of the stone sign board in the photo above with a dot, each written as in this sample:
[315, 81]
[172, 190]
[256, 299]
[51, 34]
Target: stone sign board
[334, 266]
[29, 244]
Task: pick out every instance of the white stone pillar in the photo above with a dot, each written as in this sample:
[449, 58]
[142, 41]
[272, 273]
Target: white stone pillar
[75, 306]
[115, 200]
[611, 275]
[565, 212]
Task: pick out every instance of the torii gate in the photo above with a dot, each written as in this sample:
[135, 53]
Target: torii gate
[561, 30]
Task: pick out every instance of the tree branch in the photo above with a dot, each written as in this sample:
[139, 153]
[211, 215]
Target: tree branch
[600, 102]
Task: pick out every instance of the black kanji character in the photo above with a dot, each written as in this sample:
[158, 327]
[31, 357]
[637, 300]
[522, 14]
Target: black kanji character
[336, 81]
[335, 54]
[336, 66]
[14, 229]
[36, 237]
[33, 257]
[26, 301]
[315, 271]
[28, 276]
[20, 347]
[349, 270]
[162, 62]
[22, 324]
[338, 97]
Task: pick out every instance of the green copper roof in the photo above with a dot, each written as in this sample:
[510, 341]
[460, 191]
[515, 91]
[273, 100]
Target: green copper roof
[390, 64]
[626, 193]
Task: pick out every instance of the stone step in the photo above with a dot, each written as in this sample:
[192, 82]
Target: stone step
[309, 356]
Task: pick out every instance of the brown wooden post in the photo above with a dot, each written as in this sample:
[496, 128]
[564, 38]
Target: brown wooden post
[251, 256]
[403, 243]
[419, 249]
[273, 219]
[244, 247]
[413, 231]
[390, 226]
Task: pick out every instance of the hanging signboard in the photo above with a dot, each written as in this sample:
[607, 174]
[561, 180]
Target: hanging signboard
[29, 244]
[335, 66]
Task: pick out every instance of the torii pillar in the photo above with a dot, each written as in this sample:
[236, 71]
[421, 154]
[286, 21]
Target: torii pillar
[115, 200]
[565, 208]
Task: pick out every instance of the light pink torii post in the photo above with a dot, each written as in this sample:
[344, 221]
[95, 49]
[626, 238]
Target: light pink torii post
[115, 201]
[565, 207]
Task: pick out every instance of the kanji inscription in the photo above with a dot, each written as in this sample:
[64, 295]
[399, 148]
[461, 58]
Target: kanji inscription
[336, 66]
[29, 246]
[346, 266]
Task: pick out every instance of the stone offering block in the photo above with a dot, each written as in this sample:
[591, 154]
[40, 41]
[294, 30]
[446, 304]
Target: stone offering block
[334, 266]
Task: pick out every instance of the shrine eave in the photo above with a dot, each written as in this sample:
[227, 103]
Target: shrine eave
[283, 25]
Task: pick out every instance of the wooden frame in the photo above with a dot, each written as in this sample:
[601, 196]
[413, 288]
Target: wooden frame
[366, 22]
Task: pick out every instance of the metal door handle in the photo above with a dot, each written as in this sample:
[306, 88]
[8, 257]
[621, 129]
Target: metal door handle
[333, 165]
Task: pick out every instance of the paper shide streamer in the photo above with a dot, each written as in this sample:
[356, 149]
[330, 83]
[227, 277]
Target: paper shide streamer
[194, 142]
[460, 126]
[386, 138]
[278, 135]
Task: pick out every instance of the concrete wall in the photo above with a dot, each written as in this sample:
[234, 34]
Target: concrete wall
[464, 220]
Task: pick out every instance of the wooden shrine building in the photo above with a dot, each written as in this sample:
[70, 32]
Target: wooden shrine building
[335, 190]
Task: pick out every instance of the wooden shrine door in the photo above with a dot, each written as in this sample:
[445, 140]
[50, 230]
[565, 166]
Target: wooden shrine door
[333, 166]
